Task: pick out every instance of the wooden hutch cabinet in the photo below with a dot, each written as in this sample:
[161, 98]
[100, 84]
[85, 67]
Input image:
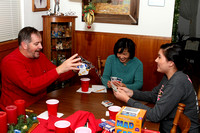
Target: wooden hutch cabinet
[58, 37]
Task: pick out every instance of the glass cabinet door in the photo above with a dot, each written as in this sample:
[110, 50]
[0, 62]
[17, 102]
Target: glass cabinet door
[61, 41]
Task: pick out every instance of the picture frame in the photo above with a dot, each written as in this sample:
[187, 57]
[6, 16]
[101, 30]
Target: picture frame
[40, 5]
[121, 14]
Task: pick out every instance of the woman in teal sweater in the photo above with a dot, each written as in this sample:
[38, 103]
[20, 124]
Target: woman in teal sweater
[123, 65]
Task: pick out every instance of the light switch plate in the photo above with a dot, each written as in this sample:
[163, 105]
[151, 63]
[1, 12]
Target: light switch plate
[156, 3]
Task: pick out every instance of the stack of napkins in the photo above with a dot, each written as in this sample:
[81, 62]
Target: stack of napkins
[95, 89]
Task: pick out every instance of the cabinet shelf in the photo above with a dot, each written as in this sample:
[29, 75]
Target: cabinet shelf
[61, 49]
[58, 37]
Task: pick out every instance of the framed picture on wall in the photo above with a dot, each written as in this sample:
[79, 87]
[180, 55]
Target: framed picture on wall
[40, 5]
[115, 11]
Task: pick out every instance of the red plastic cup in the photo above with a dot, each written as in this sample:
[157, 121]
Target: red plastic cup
[83, 130]
[11, 111]
[62, 126]
[3, 122]
[52, 106]
[20, 107]
[105, 131]
[113, 110]
[85, 84]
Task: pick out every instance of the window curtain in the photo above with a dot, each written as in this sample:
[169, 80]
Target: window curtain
[188, 10]
[10, 23]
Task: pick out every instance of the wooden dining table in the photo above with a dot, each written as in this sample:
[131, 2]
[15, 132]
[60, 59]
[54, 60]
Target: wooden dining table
[71, 101]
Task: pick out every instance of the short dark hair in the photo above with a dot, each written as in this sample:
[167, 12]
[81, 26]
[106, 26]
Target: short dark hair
[125, 43]
[175, 53]
[25, 34]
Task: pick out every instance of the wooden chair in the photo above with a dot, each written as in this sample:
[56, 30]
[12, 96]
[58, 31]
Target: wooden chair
[101, 64]
[198, 98]
[198, 95]
[0, 79]
[181, 120]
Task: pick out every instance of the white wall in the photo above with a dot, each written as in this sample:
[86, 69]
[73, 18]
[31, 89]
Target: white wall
[33, 19]
[153, 21]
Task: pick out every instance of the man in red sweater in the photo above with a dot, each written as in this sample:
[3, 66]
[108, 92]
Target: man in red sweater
[26, 72]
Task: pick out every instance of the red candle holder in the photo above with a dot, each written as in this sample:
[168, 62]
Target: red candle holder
[20, 107]
[11, 111]
[3, 122]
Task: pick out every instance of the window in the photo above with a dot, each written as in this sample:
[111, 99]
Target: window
[10, 23]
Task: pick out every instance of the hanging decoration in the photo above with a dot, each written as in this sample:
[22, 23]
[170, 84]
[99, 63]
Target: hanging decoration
[88, 14]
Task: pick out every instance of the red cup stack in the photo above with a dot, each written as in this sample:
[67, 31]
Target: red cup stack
[52, 106]
[85, 84]
[113, 110]
[62, 126]
[83, 130]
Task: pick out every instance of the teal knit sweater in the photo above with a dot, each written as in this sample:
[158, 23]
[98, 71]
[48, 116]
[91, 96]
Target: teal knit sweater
[131, 73]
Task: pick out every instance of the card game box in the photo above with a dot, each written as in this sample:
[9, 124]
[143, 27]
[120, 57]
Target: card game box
[130, 120]
[108, 125]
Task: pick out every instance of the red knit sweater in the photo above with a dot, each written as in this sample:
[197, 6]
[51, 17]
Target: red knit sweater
[24, 78]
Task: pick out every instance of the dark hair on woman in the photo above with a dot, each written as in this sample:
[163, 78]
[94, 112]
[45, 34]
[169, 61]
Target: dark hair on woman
[25, 34]
[125, 43]
[175, 53]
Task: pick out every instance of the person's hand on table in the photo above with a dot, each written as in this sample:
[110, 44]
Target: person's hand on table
[121, 95]
[69, 64]
[118, 84]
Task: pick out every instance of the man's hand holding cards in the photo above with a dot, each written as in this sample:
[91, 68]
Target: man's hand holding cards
[84, 70]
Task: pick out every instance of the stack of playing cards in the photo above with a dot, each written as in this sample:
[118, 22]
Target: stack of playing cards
[108, 125]
[107, 103]
[83, 69]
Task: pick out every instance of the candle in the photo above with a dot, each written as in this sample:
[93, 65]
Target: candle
[20, 107]
[3, 122]
[11, 111]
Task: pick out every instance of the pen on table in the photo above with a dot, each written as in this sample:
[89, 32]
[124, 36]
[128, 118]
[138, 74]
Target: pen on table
[99, 90]
[29, 110]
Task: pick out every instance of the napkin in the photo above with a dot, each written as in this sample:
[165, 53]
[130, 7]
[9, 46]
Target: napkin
[42, 127]
[95, 89]
[78, 119]
[80, 90]
[99, 89]
[45, 115]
